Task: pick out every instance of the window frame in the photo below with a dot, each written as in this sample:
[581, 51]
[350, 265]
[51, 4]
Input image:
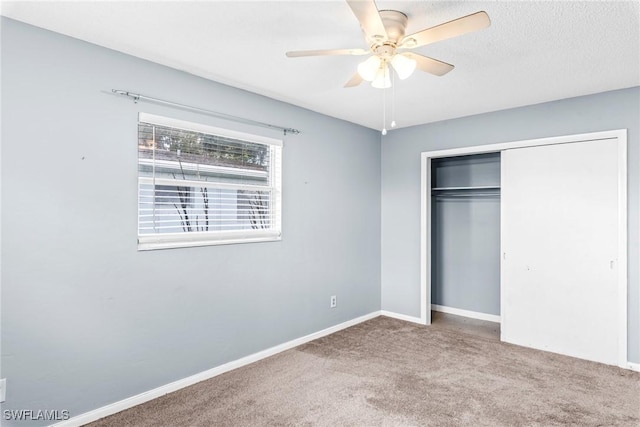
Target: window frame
[211, 238]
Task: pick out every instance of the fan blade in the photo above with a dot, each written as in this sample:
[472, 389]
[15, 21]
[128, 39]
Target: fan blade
[429, 65]
[367, 14]
[299, 53]
[457, 27]
[355, 81]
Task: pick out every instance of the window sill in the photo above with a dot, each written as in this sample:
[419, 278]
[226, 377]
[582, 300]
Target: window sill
[154, 242]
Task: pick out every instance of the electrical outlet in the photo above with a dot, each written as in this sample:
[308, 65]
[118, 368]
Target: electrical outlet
[334, 301]
[3, 389]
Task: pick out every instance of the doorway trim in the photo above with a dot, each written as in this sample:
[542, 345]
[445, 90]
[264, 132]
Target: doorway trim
[425, 218]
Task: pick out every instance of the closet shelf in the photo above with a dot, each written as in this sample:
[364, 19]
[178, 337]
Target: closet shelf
[488, 187]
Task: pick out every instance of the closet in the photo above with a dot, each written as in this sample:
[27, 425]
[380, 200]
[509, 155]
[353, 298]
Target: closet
[534, 234]
[465, 215]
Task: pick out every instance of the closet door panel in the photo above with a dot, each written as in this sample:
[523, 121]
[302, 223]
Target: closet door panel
[560, 249]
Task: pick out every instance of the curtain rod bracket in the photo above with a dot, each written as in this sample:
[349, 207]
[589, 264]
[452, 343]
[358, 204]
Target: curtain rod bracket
[138, 97]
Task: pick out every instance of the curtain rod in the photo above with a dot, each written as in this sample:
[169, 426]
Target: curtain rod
[138, 97]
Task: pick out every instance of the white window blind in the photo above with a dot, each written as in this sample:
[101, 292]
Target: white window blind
[200, 185]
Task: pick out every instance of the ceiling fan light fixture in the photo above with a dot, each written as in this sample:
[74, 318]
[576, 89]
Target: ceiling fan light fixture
[385, 32]
[403, 65]
[369, 68]
[382, 79]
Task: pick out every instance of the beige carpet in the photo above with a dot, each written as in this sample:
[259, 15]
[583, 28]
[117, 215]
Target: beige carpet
[387, 372]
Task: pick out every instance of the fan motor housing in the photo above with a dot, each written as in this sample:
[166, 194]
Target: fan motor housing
[395, 22]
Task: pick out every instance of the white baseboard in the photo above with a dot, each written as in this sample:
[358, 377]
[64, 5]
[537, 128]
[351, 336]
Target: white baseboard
[402, 317]
[633, 366]
[132, 401]
[466, 313]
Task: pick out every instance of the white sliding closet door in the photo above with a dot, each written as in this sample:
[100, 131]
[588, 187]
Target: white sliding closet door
[560, 249]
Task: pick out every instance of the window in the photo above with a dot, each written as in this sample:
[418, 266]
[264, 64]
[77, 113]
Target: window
[200, 185]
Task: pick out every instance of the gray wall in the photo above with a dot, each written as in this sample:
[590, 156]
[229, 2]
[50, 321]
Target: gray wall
[87, 319]
[401, 181]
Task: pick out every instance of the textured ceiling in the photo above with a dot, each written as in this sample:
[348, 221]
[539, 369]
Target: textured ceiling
[533, 52]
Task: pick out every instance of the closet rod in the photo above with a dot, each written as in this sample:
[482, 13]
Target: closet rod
[138, 97]
[479, 187]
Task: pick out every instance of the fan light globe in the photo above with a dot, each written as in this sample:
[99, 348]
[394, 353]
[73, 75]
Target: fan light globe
[369, 68]
[404, 66]
[382, 80]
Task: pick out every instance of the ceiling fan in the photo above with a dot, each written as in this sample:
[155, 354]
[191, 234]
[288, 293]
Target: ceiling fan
[388, 45]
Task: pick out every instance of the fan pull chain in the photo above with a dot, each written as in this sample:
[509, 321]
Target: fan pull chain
[384, 110]
[393, 100]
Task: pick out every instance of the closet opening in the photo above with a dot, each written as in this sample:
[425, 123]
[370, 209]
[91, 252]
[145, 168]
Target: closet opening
[465, 243]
